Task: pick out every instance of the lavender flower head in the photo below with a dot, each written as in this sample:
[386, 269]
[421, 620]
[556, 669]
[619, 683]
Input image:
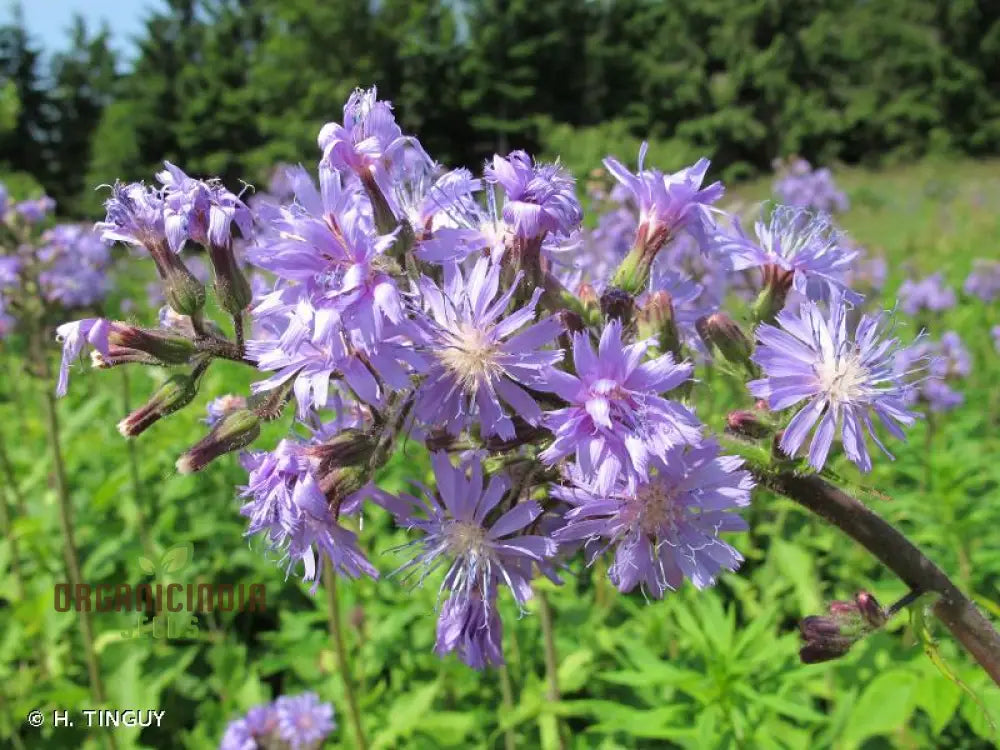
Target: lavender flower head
[929, 294]
[800, 185]
[34, 211]
[466, 535]
[252, 731]
[800, 249]
[74, 337]
[479, 361]
[469, 624]
[947, 360]
[669, 204]
[286, 505]
[995, 331]
[664, 528]
[368, 137]
[76, 262]
[134, 216]
[811, 357]
[203, 212]
[984, 280]
[303, 721]
[616, 419]
[538, 198]
[298, 722]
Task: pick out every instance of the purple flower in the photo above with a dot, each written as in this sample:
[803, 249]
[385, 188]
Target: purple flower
[984, 281]
[929, 293]
[476, 552]
[288, 507]
[477, 359]
[134, 216]
[954, 359]
[669, 204]
[10, 269]
[804, 248]
[470, 625]
[75, 274]
[35, 210]
[615, 419]
[251, 731]
[538, 198]
[74, 337]
[947, 360]
[219, 407]
[812, 357]
[368, 137]
[203, 212]
[664, 528]
[303, 721]
[996, 338]
[327, 243]
[800, 185]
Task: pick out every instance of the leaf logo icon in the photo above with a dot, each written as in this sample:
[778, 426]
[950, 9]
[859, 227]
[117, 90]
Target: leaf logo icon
[174, 559]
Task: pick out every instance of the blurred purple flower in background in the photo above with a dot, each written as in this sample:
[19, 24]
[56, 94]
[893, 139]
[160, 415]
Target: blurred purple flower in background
[984, 280]
[929, 293]
[800, 185]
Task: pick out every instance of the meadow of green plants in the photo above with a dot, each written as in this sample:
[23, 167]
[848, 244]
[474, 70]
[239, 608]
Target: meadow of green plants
[712, 669]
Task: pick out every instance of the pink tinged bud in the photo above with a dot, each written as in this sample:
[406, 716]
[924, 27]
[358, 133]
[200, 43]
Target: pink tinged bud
[176, 393]
[747, 424]
[771, 300]
[163, 346]
[721, 333]
[657, 321]
[231, 286]
[234, 431]
[871, 611]
[588, 296]
[184, 293]
[351, 447]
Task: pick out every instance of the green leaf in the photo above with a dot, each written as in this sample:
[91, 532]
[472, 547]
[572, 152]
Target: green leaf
[884, 706]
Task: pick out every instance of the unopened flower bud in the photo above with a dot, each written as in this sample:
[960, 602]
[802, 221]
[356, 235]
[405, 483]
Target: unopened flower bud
[657, 321]
[871, 611]
[165, 346]
[176, 393]
[231, 286]
[618, 303]
[234, 431]
[337, 484]
[831, 636]
[747, 424]
[183, 292]
[771, 300]
[588, 296]
[722, 333]
[350, 447]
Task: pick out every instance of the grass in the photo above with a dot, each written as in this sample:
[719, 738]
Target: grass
[713, 669]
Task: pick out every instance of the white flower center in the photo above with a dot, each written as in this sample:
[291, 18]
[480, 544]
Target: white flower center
[466, 539]
[470, 354]
[841, 379]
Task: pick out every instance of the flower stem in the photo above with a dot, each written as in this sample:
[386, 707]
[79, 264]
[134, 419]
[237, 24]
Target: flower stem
[343, 662]
[551, 659]
[969, 626]
[72, 561]
[240, 335]
[507, 703]
[138, 495]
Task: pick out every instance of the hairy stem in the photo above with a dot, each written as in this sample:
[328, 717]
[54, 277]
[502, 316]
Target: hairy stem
[343, 661]
[138, 495]
[507, 703]
[72, 561]
[551, 659]
[969, 626]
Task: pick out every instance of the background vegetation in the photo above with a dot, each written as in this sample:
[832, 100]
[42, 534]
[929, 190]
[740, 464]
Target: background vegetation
[232, 87]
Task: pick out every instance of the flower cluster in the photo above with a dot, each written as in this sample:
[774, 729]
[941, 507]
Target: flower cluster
[929, 294]
[548, 369]
[984, 280]
[64, 267]
[799, 184]
[291, 722]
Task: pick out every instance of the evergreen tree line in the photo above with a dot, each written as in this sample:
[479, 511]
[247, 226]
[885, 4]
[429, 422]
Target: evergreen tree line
[230, 87]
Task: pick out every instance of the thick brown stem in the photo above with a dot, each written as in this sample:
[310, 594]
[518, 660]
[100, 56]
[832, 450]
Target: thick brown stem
[969, 626]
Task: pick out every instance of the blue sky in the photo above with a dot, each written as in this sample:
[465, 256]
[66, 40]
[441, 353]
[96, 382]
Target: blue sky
[49, 20]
